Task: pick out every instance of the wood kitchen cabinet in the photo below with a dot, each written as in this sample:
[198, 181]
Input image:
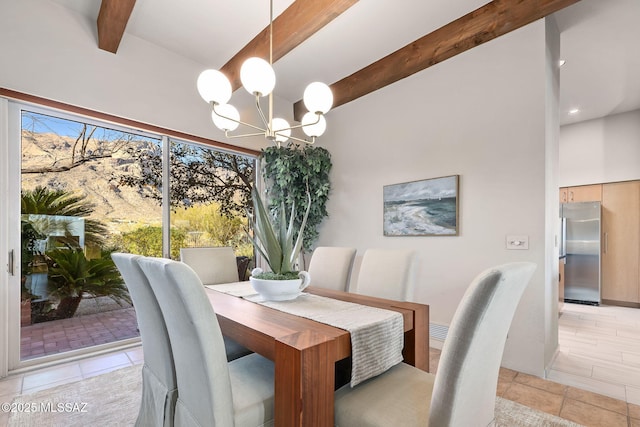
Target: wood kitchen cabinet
[621, 243]
[581, 193]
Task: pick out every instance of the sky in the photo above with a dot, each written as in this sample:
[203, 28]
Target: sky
[418, 190]
[41, 123]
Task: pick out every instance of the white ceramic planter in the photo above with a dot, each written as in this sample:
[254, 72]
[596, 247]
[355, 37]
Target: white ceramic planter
[279, 290]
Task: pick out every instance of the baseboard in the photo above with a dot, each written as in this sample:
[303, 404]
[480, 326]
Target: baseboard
[621, 303]
[547, 368]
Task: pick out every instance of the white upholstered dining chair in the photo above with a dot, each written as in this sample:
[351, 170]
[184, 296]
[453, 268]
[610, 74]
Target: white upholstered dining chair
[386, 273]
[216, 265]
[462, 392]
[211, 391]
[159, 387]
[330, 267]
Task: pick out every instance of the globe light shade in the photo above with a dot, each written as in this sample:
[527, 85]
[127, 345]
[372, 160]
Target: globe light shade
[257, 76]
[224, 123]
[214, 86]
[318, 98]
[282, 126]
[316, 129]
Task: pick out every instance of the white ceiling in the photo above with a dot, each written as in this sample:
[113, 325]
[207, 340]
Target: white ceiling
[599, 41]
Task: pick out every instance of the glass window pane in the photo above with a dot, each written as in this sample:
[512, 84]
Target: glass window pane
[77, 209]
[210, 192]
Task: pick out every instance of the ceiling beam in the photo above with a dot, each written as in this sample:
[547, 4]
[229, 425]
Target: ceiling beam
[298, 22]
[486, 23]
[112, 20]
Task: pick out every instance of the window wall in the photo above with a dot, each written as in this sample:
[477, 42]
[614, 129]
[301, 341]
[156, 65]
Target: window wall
[88, 189]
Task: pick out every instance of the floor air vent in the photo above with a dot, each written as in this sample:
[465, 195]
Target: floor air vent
[438, 332]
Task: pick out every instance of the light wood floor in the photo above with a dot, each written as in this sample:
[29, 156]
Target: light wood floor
[599, 350]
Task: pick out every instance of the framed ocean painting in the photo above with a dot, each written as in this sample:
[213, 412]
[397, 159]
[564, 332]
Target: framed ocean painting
[422, 208]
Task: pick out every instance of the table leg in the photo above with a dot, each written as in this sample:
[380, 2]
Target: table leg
[304, 380]
[416, 341]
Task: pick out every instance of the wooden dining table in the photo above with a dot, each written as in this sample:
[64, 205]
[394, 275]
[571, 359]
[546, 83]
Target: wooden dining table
[305, 351]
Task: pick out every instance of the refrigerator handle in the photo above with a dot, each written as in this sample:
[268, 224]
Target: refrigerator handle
[563, 237]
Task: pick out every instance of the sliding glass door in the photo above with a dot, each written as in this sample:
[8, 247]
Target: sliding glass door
[73, 213]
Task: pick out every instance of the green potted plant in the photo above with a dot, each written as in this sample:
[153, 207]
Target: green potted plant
[291, 173]
[274, 240]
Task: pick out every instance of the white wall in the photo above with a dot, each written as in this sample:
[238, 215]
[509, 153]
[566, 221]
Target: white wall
[600, 150]
[480, 115]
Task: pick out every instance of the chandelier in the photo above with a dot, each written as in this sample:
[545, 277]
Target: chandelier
[259, 79]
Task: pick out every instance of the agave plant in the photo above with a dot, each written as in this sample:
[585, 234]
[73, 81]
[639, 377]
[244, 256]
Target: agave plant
[274, 239]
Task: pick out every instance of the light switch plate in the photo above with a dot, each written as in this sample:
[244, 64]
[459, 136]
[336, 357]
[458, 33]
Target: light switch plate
[518, 242]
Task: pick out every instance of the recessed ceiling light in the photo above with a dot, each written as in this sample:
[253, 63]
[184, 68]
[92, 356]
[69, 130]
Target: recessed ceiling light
[574, 111]
[561, 62]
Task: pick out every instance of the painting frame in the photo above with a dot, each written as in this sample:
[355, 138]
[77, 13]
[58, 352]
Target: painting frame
[426, 207]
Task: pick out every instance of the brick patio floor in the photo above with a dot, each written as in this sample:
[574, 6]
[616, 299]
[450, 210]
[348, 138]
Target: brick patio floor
[57, 336]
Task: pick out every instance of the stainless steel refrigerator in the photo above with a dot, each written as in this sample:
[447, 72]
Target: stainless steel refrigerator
[581, 248]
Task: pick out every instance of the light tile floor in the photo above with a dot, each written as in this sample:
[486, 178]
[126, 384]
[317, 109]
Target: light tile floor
[44, 378]
[599, 350]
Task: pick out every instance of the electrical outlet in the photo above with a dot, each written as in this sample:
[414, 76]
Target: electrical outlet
[517, 242]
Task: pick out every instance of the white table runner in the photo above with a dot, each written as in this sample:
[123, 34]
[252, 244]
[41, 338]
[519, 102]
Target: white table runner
[377, 335]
